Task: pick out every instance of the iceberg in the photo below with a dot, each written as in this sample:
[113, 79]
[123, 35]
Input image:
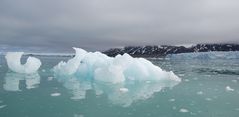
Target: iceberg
[14, 63]
[99, 67]
[123, 79]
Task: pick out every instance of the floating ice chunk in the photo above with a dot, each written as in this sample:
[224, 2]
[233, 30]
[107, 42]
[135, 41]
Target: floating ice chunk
[107, 75]
[14, 63]
[99, 67]
[183, 110]
[55, 94]
[228, 88]
[2, 106]
[123, 90]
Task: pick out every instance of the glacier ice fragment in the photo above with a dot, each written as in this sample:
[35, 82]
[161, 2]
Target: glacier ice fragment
[99, 67]
[55, 94]
[14, 63]
[183, 110]
[228, 88]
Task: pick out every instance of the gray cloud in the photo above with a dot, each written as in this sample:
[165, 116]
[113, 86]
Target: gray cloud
[102, 24]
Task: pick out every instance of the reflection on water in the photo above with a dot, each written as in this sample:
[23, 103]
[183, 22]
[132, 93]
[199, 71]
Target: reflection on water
[12, 81]
[123, 94]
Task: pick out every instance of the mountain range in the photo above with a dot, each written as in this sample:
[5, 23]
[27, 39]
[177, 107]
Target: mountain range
[163, 50]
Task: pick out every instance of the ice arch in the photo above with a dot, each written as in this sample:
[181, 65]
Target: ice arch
[14, 63]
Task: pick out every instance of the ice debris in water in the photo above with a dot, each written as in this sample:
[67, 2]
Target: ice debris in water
[55, 94]
[100, 67]
[2, 106]
[183, 110]
[123, 79]
[123, 90]
[14, 63]
[228, 88]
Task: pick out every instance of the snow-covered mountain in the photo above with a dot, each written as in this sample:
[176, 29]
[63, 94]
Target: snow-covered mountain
[163, 50]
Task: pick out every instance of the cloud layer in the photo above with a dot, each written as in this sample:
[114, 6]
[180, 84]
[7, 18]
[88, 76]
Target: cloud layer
[102, 24]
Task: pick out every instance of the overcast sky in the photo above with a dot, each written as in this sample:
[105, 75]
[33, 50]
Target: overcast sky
[102, 24]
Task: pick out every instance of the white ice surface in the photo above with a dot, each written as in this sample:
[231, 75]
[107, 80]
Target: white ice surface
[14, 63]
[123, 79]
[228, 88]
[99, 67]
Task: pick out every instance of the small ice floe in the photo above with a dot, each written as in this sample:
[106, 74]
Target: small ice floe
[199, 92]
[43, 70]
[183, 110]
[49, 78]
[2, 106]
[171, 100]
[14, 63]
[55, 94]
[228, 88]
[123, 90]
[119, 69]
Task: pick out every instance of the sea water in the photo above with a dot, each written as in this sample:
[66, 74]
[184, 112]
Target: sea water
[209, 88]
